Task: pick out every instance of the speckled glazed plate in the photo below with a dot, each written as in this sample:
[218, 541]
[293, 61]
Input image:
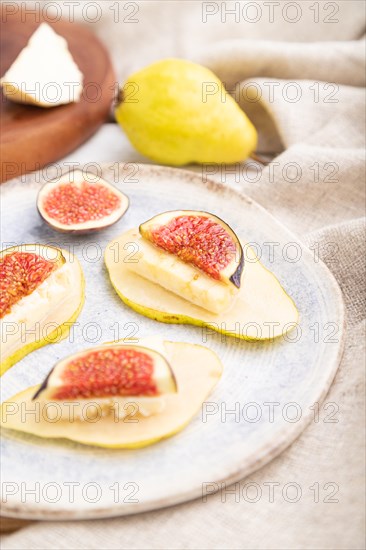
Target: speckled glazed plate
[263, 402]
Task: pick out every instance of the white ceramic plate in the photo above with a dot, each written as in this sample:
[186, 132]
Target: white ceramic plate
[74, 481]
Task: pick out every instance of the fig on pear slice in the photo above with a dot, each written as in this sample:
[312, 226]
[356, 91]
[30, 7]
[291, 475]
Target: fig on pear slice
[197, 370]
[42, 293]
[261, 310]
[109, 372]
[198, 238]
[80, 202]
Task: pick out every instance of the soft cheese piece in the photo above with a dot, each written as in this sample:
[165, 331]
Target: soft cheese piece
[44, 73]
[182, 278]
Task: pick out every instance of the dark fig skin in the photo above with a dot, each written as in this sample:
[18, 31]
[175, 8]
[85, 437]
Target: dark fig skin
[43, 386]
[236, 277]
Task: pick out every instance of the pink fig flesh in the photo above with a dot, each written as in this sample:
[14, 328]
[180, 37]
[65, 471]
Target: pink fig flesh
[111, 371]
[72, 204]
[20, 274]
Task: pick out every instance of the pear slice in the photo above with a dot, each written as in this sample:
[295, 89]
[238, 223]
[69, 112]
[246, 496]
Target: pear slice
[44, 73]
[197, 370]
[262, 310]
[43, 312]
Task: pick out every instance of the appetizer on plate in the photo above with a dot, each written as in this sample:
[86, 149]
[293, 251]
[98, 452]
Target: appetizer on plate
[121, 395]
[188, 266]
[42, 293]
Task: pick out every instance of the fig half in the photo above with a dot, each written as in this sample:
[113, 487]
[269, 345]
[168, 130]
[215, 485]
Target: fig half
[196, 372]
[110, 371]
[42, 293]
[198, 238]
[79, 202]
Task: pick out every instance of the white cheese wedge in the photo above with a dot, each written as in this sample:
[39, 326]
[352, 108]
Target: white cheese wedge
[44, 73]
[183, 279]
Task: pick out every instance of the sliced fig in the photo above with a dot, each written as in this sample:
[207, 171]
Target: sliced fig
[42, 292]
[79, 202]
[181, 278]
[110, 371]
[260, 310]
[198, 238]
[21, 272]
[197, 370]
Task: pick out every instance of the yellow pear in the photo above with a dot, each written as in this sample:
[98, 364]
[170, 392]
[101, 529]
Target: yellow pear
[178, 112]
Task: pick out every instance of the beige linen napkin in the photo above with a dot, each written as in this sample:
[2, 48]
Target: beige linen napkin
[315, 186]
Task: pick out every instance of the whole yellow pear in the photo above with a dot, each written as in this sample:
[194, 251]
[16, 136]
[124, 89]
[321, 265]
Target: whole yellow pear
[178, 112]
